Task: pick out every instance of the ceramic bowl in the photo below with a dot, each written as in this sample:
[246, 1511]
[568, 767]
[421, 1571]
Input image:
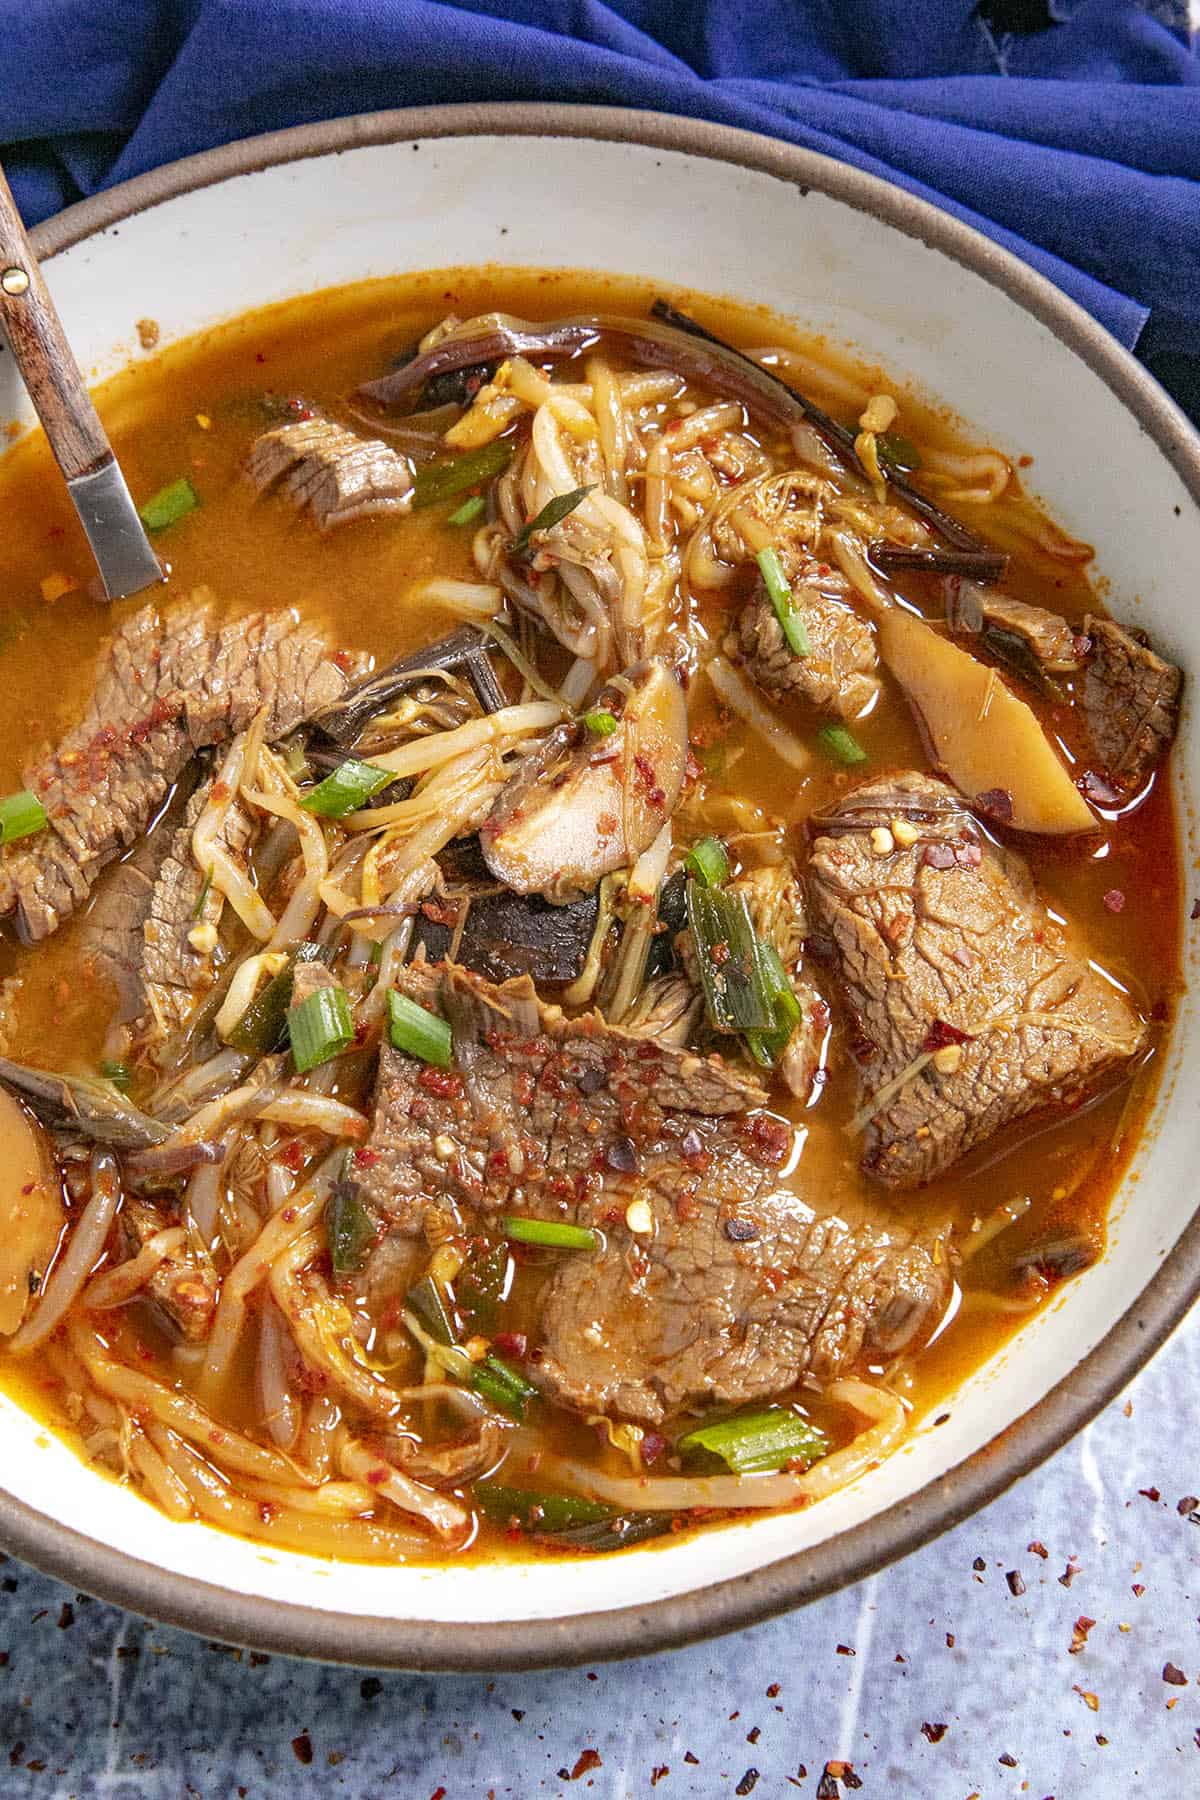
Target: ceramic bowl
[1115, 463]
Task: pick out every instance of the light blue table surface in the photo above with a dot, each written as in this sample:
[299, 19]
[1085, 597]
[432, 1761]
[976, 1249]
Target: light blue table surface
[96, 1702]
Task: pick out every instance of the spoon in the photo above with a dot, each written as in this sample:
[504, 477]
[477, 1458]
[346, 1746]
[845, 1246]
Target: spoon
[81, 448]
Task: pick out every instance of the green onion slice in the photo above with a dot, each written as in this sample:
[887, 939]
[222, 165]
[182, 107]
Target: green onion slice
[348, 1228]
[780, 596]
[418, 1032]
[897, 451]
[428, 1303]
[202, 896]
[263, 1026]
[600, 723]
[455, 475]
[728, 952]
[548, 1234]
[320, 1027]
[118, 1073]
[500, 1383]
[537, 1512]
[21, 815]
[483, 1283]
[169, 505]
[346, 789]
[841, 745]
[553, 513]
[758, 1442]
[469, 511]
[767, 1047]
[709, 862]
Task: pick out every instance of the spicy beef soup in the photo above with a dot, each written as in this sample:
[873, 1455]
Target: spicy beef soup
[595, 950]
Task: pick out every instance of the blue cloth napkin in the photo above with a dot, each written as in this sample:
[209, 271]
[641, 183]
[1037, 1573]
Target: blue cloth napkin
[1074, 139]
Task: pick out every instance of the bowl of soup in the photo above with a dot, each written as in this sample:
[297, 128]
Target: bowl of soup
[593, 989]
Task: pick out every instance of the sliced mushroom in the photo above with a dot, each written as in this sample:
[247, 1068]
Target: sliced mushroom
[32, 1214]
[593, 803]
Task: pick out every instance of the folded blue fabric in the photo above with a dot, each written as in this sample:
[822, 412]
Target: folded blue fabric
[1076, 145]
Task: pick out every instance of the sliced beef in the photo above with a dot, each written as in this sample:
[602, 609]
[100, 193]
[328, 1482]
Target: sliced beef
[740, 1289]
[173, 970]
[116, 918]
[1130, 702]
[166, 688]
[183, 1290]
[535, 1102]
[336, 473]
[839, 673]
[973, 1005]
[1032, 641]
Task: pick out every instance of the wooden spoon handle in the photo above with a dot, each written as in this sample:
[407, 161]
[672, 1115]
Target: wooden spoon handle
[43, 355]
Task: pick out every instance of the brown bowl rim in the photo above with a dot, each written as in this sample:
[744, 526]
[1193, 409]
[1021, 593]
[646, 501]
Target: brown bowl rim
[513, 1644]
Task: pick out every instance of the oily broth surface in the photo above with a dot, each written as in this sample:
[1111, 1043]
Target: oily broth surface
[194, 411]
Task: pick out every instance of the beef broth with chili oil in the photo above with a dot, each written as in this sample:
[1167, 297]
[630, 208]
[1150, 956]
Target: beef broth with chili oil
[600, 945]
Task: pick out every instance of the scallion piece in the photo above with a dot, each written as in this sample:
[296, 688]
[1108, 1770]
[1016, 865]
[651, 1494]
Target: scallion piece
[500, 1383]
[169, 505]
[118, 1073]
[263, 1026]
[600, 723]
[349, 786]
[456, 475]
[418, 1032]
[839, 744]
[548, 1234]
[780, 596]
[755, 1443]
[483, 1283]
[202, 896]
[348, 1228]
[505, 1505]
[897, 451]
[553, 513]
[767, 1047]
[469, 511]
[429, 1306]
[21, 815]
[709, 862]
[320, 1027]
[727, 952]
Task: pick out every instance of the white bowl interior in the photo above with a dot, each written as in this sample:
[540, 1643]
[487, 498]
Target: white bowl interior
[208, 255]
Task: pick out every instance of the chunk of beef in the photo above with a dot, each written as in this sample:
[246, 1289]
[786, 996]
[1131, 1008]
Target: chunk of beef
[1130, 702]
[166, 688]
[336, 473]
[839, 673]
[183, 1289]
[536, 1102]
[740, 1290]
[116, 918]
[975, 1004]
[173, 971]
[1032, 641]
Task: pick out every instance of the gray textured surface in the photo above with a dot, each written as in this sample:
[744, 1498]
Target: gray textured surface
[95, 1702]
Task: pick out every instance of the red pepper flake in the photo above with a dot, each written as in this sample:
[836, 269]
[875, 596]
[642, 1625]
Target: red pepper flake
[1114, 899]
[1037, 1548]
[587, 1759]
[748, 1783]
[753, 1735]
[995, 803]
[845, 1650]
[979, 1565]
[935, 1733]
[1187, 1506]
[1195, 912]
[659, 1774]
[512, 1343]
[940, 1034]
[1073, 1568]
[1137, 1590]
[1079, 1635]
[689, 1758]
[1016, 1582]
[66, 1616]
[773, 1691]
[1174, 1675]
[843, 1771]
[302, 1748]
[949, 1640]
[442, 1082]
[719, 954]
[827, 1787]
[439, 1793]
[365, 1157]
[1150, 1493]
[1085, 1694]
[1009, 1761]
